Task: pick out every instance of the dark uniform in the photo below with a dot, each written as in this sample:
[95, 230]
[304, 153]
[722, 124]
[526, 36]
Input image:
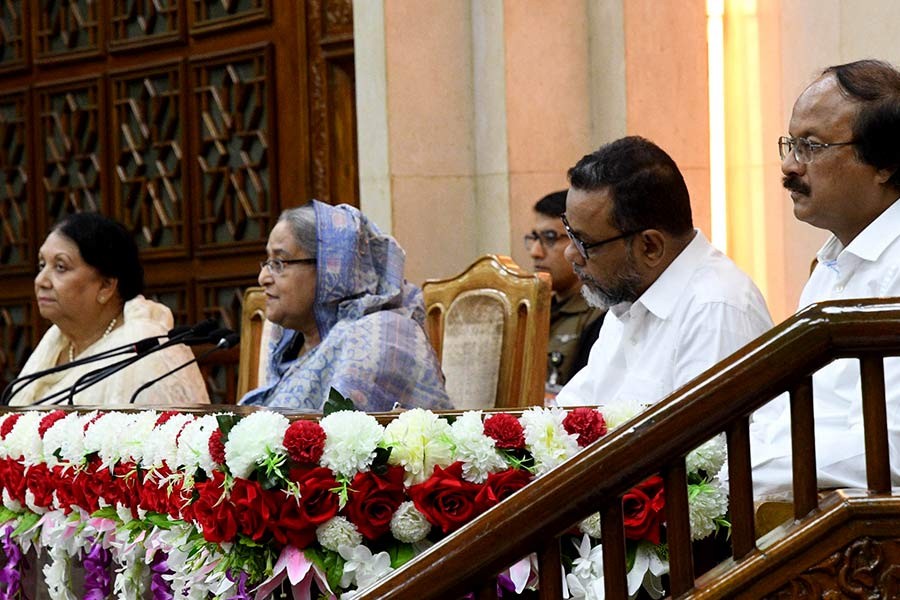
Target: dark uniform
[574, 326]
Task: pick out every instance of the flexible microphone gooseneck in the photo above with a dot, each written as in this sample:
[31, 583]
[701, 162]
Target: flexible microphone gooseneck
[137, 347]
[222, 338]
[185, 335]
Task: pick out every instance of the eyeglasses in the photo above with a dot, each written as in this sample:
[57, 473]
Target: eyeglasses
[276, 265]
[583, 247]
[804, 150]
[547, 239]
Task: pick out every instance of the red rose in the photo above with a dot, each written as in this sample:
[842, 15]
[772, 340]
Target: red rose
[644, 507]
[8, 424]
[40, 482]
[305, 441]
[500, 486]
[49, 420]
[587, 423]
[253, 507]
[217, 447]
[506, 431]
[64, 493]
[446, 499]
[214, 515]
[318, 502]
[373, 501]
[291, 526]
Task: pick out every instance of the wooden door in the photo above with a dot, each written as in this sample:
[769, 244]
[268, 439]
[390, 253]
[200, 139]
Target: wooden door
[193, 122]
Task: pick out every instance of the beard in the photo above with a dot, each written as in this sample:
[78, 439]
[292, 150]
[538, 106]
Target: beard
[624, 288]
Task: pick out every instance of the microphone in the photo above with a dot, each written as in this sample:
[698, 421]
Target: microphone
[137, 347]
[226, 339]
[177, 335]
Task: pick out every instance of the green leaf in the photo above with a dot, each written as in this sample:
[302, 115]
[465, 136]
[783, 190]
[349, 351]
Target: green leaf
[328, 561]
[7, 515]
[159, 520]
[226, 422]
[336, 402]
[400, 554]
[630, 553]
[28, 521]
[380, 462]
[107, 512]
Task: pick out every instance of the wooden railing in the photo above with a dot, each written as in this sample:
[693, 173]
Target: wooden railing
[657, 441]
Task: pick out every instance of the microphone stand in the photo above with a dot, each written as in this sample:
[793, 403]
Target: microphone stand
[227, 341]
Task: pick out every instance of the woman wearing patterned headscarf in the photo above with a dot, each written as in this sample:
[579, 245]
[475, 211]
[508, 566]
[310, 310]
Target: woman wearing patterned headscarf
[344, 317]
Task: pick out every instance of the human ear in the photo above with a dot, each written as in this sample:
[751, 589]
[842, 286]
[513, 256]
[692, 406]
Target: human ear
[651, 246]
[108, 286]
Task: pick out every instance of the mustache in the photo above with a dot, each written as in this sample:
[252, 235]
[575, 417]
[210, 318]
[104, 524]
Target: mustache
[792, 183]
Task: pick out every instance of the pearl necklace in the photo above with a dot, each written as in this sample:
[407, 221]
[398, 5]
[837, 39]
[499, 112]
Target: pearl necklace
[109, 328]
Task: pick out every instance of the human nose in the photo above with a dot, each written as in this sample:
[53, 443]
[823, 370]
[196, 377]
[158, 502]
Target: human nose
[572, 255]
[790, 165]
[537, 249]
[41, 280]
[265, 276]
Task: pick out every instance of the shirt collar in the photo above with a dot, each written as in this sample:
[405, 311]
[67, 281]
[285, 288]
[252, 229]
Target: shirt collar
[662, 295]
[871, 241]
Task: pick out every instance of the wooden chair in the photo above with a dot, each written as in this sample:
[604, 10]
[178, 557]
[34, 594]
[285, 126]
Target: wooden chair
[490, 326]
[254, 329]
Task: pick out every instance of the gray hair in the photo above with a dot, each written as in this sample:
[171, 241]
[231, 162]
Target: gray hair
[303, 225]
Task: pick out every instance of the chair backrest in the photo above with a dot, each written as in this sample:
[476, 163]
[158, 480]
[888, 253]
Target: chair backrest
[490, 327]
[254, 334]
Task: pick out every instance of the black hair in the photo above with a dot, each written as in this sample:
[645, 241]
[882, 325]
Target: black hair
[107, 246]
[647, 189]
[553, 204]
[875, 86]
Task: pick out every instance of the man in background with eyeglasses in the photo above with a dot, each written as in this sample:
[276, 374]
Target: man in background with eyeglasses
[841, 164]
[574, 324]
[676, 305]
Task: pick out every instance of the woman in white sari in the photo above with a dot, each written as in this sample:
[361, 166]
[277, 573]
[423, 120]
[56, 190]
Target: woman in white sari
[88, 285]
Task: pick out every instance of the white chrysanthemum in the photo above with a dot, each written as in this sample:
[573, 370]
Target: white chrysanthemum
[361, 567]
[623, 410]
[8, 502]
[64, 439]
[591, 526]
[253, 439]
[351, 438]
[3, 450]
[193, 445]
[477, 451]
[419, 440]
[709, 457]
[116, 437]
[337, 532]
[141, 429]
[546, 437]
[24, 439]
[160, 446]
[706, 503]
[408, 524]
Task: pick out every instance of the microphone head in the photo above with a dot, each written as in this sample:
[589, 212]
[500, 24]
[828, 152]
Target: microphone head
[204, 327]
[180, 330]
[230, 340]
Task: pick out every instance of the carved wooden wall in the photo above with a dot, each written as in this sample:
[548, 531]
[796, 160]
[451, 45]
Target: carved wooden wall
[193, 122]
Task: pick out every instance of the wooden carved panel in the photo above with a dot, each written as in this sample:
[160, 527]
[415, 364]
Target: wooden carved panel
[67, 29]
[142, 23]
[213, 15]
[16, 336]
[15, 236]
[71, 148]
[234, 114]
[150, 158]
[332, 101]
[866, 568]
[222, 301]
[13, 36]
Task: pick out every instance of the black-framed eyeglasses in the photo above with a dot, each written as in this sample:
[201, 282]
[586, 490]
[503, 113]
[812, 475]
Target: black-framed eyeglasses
[547, 239]
[804, 150]
[583, 247]
[276, 265]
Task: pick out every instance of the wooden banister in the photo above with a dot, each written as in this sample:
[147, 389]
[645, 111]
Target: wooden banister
[656, 441]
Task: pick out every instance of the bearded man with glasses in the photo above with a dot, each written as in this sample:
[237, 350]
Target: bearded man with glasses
[841, 165]
[574, 324]
[676, 305]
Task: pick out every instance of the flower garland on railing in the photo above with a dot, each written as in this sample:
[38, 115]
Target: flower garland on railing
[222, 506]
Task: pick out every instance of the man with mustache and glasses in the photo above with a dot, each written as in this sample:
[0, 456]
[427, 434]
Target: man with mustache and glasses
[841, 164]
[574, 324]
[676, 304]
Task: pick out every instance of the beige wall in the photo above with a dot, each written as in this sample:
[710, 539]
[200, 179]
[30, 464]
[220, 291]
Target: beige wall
[470, 110]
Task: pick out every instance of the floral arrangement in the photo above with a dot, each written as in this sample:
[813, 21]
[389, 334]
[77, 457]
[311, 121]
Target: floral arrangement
[223, 506]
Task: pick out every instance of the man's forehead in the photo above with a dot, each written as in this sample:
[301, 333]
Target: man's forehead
[821, 108]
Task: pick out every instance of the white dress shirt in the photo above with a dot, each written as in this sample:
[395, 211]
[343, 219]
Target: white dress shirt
[869, 267]
[698, 311]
